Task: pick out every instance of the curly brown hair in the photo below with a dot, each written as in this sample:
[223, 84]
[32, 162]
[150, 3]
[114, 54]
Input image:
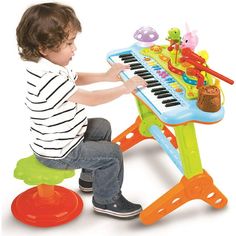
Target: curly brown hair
[45, 26]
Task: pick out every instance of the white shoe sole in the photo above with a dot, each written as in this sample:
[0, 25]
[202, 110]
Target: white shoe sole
[117, 214]
[86, 190]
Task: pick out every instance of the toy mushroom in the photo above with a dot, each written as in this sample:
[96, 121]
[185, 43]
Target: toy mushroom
[146, 36]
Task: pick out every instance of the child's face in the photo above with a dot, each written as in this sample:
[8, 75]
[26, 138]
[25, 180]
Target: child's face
[65, 52]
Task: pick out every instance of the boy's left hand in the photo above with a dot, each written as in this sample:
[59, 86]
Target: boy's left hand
[114, 71]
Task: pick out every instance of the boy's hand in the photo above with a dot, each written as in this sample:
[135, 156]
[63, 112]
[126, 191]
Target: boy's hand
[134, 83]
[112, 74]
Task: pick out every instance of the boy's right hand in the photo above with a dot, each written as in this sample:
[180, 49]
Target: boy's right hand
[134, 83]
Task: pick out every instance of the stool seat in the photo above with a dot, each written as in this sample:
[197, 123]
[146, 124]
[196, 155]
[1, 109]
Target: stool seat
[33, 172]
[46, 204]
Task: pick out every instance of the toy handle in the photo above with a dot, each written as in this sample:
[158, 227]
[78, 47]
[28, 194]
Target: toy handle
[210, 71]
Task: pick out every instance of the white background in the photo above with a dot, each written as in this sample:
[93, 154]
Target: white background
[109, 25]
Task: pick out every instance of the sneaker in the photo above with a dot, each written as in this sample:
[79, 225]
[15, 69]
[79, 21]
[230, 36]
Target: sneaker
[121, 208]
[85, 186]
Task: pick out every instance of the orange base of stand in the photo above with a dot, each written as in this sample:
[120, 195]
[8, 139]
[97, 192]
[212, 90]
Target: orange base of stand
[63, 206]
[198, 187]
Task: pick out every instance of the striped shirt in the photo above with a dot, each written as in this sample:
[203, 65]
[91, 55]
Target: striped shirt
[56, 125]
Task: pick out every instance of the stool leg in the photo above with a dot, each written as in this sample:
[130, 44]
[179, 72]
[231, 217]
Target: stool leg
[45, 190]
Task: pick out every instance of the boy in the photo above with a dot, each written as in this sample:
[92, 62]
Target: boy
[62, 136]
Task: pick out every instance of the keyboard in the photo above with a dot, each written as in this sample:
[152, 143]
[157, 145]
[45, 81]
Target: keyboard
[164, 95]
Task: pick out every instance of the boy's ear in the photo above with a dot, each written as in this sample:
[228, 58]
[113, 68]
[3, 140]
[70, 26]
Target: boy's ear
[43, 51]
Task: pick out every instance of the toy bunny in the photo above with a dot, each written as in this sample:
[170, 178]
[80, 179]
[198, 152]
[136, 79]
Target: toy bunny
[190, 39]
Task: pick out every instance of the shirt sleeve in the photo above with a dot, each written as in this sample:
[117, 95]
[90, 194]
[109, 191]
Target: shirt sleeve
[74, 75]
[56, 89]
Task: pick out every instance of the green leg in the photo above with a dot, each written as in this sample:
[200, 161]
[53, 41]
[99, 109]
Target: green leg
[148, 119]
[188, 149]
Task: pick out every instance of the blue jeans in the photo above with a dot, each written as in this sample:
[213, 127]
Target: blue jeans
[101, 159]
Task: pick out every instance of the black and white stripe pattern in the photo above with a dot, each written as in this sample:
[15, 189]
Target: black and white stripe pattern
[57, 125]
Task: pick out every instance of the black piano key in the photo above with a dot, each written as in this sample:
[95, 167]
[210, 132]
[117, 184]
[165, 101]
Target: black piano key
[127, 58]
[154, 90]
[151, 81]
[157, 89]
[136, 67]
[164, 95]
[140, 71]
[125, 55]
[172, 104]
[169, 101]
[135, 64]
[158, 84]
[147, 76]
[130, 60]
[153, 85]
[144, 73]
[161, 92]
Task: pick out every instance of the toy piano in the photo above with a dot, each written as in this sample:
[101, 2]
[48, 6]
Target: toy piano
[181, 90]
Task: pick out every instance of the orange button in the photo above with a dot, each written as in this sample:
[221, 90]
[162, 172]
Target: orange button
[178, 90]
